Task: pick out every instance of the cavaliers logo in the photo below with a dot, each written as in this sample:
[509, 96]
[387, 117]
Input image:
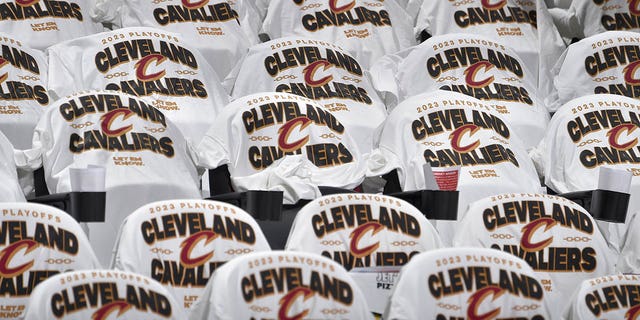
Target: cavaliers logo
[493, 4]
[457, 135]
[530, 229]
[615, 133]
[630, 73]
[3, 62]
[26, 3]
[476, 299]
[286, 130]
[7, 254]
[189, 243]
[194, 5]
[310, 73]
[632, 313]
[333, 5]
[634, 7]
[471, 74]
[357, 234]
[287, 301]
[144, 63]
[108, 118]
[105, 311]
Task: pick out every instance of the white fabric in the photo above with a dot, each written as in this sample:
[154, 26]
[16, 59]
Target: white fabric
[23, 93]
[597, 16]
[579, 141]
[214, 27]
[362, 230]
[44, 23]
[10, 189]
[555, 236]
[254, 131]
[146, 158]
[470, 64]
[608, 297]
[423, 129]
[180, 243]
[467, 283]
[367, 29]
[38, 242]
[532, 35]
[98, 294]
[281, 285]
[629, 259]
[317, 70]
[149, 63]
[604, 63]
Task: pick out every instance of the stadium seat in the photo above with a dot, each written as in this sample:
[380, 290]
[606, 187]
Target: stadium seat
[180, 243]
[362, 230]
[607, 297]
[282, 142]
[317, 70]
[603, 63]
[42, 24]
[145, 156]
[214, 27]
[38, 242]
[281, 285]
[525, 26]
[149, 63]
[448, 129]
[102, 294]
[475, 65]
[556, 237]
[585, 134]
[468, 283]
[368, 30]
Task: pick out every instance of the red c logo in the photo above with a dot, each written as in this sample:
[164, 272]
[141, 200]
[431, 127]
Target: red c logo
[471, 72]
[194, 5]
[357, 233]
[285, 131]
[26, 3]
[287, 301]
[614, 135]
[456, 138]
[529, 230]
[104, 312]
[478, 297]
[632, 313]
[310, 71]
[633, 7]
[630, 71]
[333, 5]
[108, 118]
[3, 62]
[142, 65]
[498, 5]
[7, 254]
[189, 243]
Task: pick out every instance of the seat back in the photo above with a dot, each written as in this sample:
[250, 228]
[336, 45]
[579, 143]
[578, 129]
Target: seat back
[598, 17]
[467, 283]
[37, 242]
[180, 243]
[102, 294]
[281, 285]
[608, 297]
[362, 230]
[10, 188]
[556, 237]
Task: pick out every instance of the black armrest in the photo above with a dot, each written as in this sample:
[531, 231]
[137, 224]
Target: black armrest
[434, 204]
[393, 183]
[603, 205]
[262, 205]
[582, 198]
[82, 206]
[220, 180]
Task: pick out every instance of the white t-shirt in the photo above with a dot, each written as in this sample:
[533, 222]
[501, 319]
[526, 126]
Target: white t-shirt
[358, 230]
[281, 285]
[23, 93]
[180, 243]
[598, 16]
[467, 283]
[367, 29]
[156, 65]
[10, 190]
[44, 23]
[145, 156]
[604, 63]
[608, 297]
[469, 64]
[317, 70]
[555, 236]
[448, 129]
[98, 294]
[525, 26]
[281, 141]
[214, 27]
